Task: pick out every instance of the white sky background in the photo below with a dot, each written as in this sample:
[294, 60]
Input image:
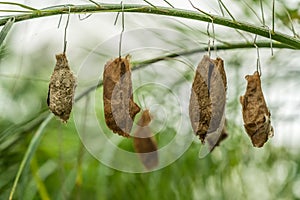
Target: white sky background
[31, 34]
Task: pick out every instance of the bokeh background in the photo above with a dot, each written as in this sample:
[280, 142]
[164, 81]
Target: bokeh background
[74, 160]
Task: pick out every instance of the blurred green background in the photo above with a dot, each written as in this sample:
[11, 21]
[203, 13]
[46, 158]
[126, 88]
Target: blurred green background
[65, 167]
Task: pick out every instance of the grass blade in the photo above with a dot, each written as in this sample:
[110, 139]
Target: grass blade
[5, 30]
[30, 151]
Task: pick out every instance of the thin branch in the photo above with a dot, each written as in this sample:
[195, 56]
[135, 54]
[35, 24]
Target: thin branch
[134, 8]
[221, 8]
[168, 3]
[262, 12]
[227, 10]
[20, 5]
[292, 25]
[253, 11]
[273, 16]
[149, 3]
[95, 3]
[16, 11]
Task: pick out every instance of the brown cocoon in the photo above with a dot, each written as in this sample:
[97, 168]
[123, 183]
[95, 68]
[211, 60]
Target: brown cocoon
[256, 114]
[208, 97]
[144, 142]
[61, 89]
[119, 107]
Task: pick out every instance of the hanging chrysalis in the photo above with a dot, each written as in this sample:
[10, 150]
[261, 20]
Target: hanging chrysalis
[119, 107]
[61, 89]
[144, 142]
[208, 97]
[256, 114]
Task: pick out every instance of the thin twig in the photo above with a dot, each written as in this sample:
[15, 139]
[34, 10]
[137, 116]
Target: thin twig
[95, 3]
[292, 25]
[227, 10]
[220, 6]
[168, 3]
[150, 3]
[244, 2]
[262, 12]
[20, 5]
[205, 13]
[273, 16]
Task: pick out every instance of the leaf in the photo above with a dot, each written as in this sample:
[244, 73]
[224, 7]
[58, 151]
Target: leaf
[5, 30]
[29, 153]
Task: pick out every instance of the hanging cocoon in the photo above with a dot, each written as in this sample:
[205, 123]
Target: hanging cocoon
[119, 107]
[144, 142]
[256, 114]
[208, 98]
[61, 89]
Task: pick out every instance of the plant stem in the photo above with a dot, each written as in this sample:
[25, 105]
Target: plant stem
[91, 8]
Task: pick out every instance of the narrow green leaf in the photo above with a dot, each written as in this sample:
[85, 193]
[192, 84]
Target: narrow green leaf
[44, 195]
[30, 151]
[19, 4]
[221, 2]
[5, 30]
[168, 3]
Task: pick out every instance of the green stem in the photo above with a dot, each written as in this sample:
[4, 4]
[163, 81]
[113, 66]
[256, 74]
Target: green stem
[134, 8]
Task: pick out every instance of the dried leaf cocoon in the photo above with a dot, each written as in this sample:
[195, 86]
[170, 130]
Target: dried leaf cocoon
[256, 114]
[208, 97]
[144, 142]
[61, 89]
[119, 107]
